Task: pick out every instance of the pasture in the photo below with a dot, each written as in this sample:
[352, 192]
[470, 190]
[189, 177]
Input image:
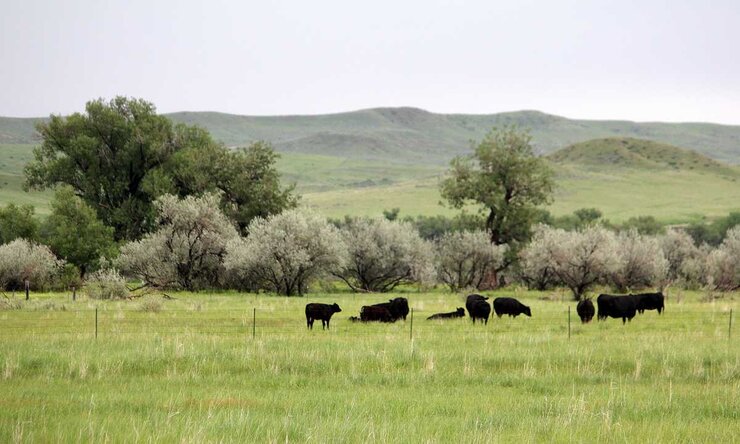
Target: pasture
[196, 369]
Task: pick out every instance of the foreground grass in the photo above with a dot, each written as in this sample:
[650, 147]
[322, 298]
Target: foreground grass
[190, 370]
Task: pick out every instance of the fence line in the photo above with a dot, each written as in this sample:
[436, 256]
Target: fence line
[287, 322]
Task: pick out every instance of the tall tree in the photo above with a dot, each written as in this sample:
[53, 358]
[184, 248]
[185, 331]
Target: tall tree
[504, 178]
[112, 156]
[74, 232]
[119, 156]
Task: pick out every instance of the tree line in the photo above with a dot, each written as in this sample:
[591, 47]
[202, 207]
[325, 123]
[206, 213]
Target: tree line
[139, 197]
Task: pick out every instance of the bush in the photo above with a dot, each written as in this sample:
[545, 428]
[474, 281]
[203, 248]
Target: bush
[384, 254]
[723, 264]
[106, 284]
[575, 259]
[285, 252]
[641, 262]
[21, 260]
[187, 249]
[686, 262]
[467, 259]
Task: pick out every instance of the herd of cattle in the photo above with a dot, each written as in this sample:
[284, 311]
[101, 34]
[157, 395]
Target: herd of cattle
[615, 306]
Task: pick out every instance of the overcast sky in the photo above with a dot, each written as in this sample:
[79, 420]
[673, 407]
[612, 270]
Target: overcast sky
[638, 60]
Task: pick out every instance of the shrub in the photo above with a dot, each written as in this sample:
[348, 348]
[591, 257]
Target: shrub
[641, 262]
[186, 250]
[384, 254]
[106, 284]
[466, 259]
[21, 260]
[686, 262]
[723, 264]
[285, 252]
[576, 259]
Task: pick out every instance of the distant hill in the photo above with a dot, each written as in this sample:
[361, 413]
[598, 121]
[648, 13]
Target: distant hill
[631, 153]
[411, 135]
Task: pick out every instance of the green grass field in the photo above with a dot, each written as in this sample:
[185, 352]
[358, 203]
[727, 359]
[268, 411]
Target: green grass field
[189, 370]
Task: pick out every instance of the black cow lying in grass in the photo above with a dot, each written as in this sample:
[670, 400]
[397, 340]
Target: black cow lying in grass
[649, 301]
[459, 313]
[616, 306]
[511, 307]
[478, 308]
[586, 311]
[398, 308]
[372, 313]
[320, 311]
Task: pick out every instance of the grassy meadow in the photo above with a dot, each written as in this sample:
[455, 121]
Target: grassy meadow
[189, 370]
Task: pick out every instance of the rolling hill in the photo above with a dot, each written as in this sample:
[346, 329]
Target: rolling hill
[365, 161]
[411, 135]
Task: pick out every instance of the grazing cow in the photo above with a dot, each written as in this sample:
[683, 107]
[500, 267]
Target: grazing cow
[320, 311]
[398, 308]
[616, 306]
[649, 301]
[354, 319]
[511, 307]
[459, 313]
[478, 308]
[369, 313]
[586, 311]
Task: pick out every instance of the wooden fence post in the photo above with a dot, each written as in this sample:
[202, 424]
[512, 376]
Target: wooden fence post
[28, 287]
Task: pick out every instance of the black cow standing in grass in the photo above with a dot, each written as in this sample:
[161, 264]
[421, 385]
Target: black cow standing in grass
[649, 301]
[371, 313]
[320, 311]
[616, 306]
[398, 308]
[586, 311]
[459, 313]
[478, 308]
[511, 307]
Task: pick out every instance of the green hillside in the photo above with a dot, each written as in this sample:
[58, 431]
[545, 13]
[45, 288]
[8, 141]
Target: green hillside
[623, 177]
[411, 135]
[638, 154]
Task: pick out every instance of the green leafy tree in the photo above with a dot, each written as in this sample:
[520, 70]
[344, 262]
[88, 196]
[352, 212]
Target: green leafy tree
[18, 222]
[247, 180]
[504, 178]
[110, 156]
[74, 232]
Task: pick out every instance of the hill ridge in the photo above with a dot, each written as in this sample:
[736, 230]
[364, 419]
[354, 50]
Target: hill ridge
[634, 153]
[410, 134]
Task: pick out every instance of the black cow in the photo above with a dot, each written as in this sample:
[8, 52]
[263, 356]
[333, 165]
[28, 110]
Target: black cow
[398, 308]
[511, 307]
[369, 313]
[320, 311]
[616, 306]
[586, 311]
[649, 301]
[478, 308]
[459, 313]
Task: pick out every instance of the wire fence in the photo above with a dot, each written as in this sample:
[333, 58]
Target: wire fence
[259, 323]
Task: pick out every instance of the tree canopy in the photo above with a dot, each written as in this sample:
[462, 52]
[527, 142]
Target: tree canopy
[119, 156]
[504, 178]
[74, 232]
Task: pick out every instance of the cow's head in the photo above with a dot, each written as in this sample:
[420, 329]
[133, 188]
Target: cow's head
[527, 311]
[460, 311]
[335, 308]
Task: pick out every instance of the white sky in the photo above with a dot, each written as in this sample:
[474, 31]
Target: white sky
[638, 60]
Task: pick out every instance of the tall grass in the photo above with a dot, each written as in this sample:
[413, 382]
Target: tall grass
[193, 372]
